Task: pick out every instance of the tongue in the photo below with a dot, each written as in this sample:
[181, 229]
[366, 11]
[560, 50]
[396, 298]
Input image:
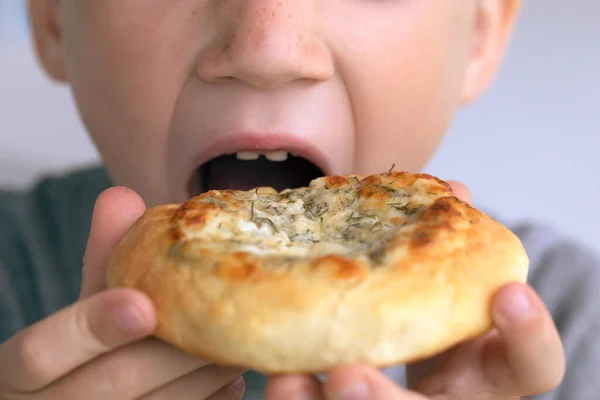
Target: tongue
[227, 172]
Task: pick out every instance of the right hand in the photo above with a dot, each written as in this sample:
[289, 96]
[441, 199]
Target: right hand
[99, 347]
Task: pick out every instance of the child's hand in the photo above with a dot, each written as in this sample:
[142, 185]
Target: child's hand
[98, 347]
[522, 356]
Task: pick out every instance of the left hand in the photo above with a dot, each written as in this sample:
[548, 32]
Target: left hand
[521, 356]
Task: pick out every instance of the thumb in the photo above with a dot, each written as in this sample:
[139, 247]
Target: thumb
[461, 191]
[354, 382]
[116, 209]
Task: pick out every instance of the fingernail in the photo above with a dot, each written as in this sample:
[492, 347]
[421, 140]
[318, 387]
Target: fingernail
[516, 306]
[357, 391]
[238, 384]
[130, 320]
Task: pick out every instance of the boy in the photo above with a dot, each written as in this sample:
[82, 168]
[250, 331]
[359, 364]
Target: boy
[181, 97]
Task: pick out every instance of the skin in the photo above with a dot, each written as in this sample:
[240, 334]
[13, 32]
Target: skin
[374, 83]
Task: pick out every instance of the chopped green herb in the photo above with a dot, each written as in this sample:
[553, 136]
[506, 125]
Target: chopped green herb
[260, 221]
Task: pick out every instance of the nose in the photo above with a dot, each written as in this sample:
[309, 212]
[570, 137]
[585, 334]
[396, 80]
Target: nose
[265, 43]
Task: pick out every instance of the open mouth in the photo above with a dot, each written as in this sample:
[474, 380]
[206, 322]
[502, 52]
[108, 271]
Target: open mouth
[247, 170]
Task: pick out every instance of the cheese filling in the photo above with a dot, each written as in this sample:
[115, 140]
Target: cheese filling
[352, 219]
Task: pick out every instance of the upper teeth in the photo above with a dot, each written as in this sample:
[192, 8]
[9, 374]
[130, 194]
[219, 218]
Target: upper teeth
[247, 155]
[272, 155]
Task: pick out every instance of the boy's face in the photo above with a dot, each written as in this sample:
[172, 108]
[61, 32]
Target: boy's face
[167, 87]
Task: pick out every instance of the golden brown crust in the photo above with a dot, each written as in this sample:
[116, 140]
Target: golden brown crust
[426, 287]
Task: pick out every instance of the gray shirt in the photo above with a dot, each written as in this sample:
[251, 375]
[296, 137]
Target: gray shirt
[43, 234]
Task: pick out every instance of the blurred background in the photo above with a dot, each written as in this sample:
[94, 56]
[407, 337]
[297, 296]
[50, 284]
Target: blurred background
[530, 149]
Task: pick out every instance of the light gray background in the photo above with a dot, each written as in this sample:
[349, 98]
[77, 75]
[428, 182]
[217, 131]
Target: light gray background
[529, 149]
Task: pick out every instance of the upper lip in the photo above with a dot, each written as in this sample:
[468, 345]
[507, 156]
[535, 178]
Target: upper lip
[264, 143]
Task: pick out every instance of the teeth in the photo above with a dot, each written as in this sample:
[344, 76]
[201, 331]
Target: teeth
[247, 156]
[277, 156]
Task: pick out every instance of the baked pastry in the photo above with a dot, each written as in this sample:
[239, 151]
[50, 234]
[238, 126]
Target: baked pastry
[382, 269]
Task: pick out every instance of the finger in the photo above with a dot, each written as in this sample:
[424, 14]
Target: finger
[292, 387]
[127, 373]
[232, 391]
[455, 374]
[361, 382]
[201, 384]
[51, 348]
[528, 358]
[461, 191]
[115, 211]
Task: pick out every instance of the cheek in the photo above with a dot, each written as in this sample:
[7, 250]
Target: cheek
[402, 120]
[126, 90]
[405, 89]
